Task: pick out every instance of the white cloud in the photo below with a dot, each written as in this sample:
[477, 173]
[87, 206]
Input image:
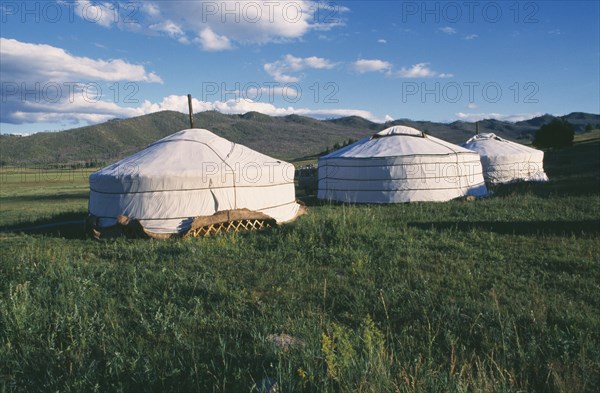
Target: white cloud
[171, 29]
[43, 83]
[471, 36]
[104, 14]
[168, 27]
[555, 32]
[497, 116]
[448, 30]
[219, 25]
[239, 106]
[371, 65]
[277, 74]
[281, 69]
[211, 41]
[22, 61]
[382, 41]
[472, 105]
[419, 70]
[75, 111]
[150, 8]
[41, 66]
[82, 111]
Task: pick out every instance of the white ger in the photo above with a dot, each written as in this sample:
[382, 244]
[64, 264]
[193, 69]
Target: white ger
[505, 161]
[192, 173]
[400, 164]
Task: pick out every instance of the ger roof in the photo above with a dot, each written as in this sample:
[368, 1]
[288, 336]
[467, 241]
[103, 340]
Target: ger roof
[398, 141]
[490, 145]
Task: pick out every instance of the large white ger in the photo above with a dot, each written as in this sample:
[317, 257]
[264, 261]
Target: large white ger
[192, 173]
[400, 164]
[505, 161]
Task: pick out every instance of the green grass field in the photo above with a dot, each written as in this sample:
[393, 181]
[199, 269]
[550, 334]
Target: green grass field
[495, 295]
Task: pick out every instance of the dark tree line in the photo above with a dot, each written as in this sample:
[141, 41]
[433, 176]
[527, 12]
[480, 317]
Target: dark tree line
[557, 133]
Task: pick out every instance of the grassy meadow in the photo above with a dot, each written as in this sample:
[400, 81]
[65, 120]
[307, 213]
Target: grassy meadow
[495, 295]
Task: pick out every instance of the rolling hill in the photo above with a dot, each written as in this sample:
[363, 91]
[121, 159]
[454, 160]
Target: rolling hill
[287, 137]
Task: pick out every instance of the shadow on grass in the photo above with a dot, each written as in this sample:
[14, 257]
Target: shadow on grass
[567, 228]
[573, 171]
[65, 225]
[45, 198]
[571, 186]
[311, 200]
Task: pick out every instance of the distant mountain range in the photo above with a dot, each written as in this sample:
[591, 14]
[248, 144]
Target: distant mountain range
[289, 137]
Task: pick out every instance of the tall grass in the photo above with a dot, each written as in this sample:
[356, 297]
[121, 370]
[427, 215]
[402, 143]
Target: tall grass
[494, 295]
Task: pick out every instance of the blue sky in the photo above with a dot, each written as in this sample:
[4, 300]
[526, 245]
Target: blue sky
[71, 63]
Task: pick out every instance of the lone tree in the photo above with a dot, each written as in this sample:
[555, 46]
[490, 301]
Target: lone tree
[557, 133]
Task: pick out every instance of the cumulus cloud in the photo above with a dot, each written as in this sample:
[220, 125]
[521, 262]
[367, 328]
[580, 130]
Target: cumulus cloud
[168, 27]
[281, 69]
[471, 36]
[218, 25]
[74, 111]
[448, 30]
[211, 41]
[419, 70]
[382, 41]
[150, 8]
[22, 61]
[239, 106]
[102, 13]
[83, 111]
[371, 65]
[50, 85]
[43, 83]
[497, 116]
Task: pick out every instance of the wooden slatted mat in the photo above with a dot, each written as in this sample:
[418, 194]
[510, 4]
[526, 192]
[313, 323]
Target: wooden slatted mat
[229, 226]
